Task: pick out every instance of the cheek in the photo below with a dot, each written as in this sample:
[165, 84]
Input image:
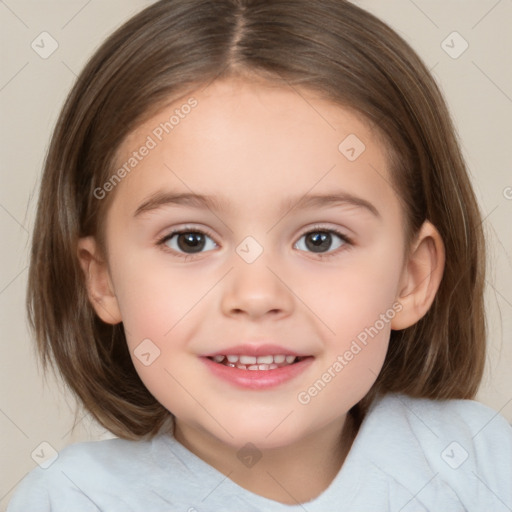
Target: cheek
[352, 297]
[154, 298]
[356, 305]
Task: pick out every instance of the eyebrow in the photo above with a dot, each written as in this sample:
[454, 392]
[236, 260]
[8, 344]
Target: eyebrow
[307, 201]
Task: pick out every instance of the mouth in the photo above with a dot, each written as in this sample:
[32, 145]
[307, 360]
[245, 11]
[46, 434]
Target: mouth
[264, 367]
[263, 363]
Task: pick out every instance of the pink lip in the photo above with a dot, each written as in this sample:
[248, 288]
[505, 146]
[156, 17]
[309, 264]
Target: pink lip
[255, 350]
[257, 379]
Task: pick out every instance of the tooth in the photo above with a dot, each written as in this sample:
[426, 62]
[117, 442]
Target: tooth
[232, 359]
[253, 367]
[231, 365]
[290, 359]
[272, 366]
[241, 366]
[263, 366]
[265, 360]
[279, 359]
[218, 359]
[247, 359]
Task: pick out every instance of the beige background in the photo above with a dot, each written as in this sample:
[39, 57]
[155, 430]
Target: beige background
[477, 85]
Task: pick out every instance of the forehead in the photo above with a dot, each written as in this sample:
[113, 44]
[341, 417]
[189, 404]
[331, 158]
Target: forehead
[248, 140]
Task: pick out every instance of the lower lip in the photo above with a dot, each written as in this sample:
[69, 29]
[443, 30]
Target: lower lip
[257, 379]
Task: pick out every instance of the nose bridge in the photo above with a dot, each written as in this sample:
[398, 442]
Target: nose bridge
[253, 287]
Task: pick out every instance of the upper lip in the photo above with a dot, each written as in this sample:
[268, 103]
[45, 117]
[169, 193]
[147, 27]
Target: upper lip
[256, 350]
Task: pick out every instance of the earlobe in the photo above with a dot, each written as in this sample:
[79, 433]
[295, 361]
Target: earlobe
[98, 282]
[421, 277]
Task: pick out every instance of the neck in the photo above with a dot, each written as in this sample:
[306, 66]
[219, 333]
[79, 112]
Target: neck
[282, 474]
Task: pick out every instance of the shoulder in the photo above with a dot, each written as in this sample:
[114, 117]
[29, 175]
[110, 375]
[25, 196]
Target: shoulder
[78, 472]
[109, 457]
[459, 445]
[464, 418]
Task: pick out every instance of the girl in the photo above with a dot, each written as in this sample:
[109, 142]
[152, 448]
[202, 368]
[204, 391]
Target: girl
[258, 260]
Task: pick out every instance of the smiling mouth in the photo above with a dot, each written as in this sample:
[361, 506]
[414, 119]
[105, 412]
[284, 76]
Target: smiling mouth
[268, 362]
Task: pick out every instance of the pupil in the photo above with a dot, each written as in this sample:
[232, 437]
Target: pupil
[191, 242]
[319, 241]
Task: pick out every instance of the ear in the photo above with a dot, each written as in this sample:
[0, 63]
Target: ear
[421, 277]
[99, 284]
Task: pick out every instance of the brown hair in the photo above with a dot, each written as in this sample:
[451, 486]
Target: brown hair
[329, 46]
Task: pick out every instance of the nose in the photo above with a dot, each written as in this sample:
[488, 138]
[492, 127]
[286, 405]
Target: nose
[255, 291]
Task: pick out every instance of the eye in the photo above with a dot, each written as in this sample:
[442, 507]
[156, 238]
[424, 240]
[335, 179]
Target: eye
[321, 241]
[188, 242]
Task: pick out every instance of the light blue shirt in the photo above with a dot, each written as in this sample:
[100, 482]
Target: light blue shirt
[410, 455]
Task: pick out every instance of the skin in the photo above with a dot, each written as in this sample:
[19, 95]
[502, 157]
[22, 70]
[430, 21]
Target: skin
[252, 145]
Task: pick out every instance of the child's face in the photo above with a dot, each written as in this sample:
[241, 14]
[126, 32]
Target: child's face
[258, 153]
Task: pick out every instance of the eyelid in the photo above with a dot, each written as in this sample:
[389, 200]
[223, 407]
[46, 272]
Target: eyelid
[186, 228]
[331, 229]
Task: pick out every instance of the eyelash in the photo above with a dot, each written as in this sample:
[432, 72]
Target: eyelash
[315, 229]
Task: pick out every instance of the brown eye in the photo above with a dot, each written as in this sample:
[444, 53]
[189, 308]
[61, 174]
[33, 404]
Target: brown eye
[189, 242]
[321, 241]
[193, 242]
